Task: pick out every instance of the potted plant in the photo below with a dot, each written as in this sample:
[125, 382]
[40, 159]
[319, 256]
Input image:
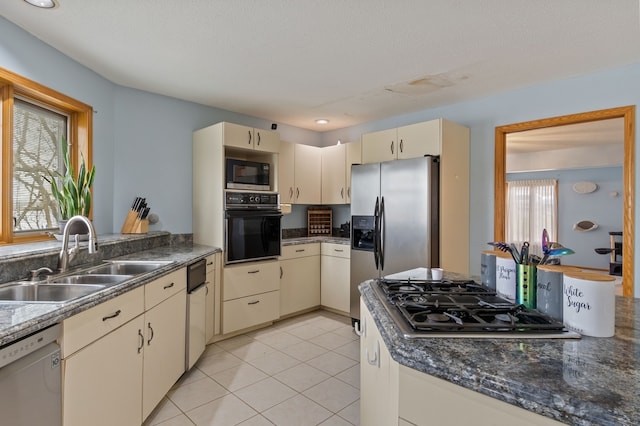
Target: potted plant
[72, 193]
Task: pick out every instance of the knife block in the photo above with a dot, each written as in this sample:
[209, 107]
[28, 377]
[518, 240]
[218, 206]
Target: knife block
[133, 225]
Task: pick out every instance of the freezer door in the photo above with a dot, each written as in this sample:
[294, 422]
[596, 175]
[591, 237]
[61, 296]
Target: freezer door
[410, 217]
[365, 187]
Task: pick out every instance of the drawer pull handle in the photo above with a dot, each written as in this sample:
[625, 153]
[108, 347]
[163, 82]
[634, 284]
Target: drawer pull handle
[338, 250]
[141, 341]
[113, 315]
[376, 359]
[210, 263]
[254, 272]
[299, 250]
[253, 303]
[151, 336]
[168, 286]
[359, 327]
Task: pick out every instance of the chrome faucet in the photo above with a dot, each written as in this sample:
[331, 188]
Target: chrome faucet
[35, 273]
[67, 254]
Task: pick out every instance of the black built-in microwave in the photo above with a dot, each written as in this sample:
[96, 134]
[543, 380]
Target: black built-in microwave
[250, 175]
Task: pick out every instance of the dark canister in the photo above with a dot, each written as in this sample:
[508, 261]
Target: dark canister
[549, 289]
[488, 269]
[526, 285]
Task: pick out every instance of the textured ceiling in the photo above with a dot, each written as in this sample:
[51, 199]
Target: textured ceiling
[292, 61]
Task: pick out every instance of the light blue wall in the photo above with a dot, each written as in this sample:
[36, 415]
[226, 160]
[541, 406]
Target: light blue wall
[142, 141]
[599, 207]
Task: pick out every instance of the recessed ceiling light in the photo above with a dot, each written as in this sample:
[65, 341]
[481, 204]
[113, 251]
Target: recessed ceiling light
[322, 121]
[45, 4]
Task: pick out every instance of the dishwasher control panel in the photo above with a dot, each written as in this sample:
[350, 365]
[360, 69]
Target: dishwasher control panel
[28, 344]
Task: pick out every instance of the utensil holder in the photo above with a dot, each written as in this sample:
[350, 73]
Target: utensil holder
[526, 284]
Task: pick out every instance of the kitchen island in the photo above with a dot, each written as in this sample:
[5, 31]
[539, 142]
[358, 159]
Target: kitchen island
[590, 381]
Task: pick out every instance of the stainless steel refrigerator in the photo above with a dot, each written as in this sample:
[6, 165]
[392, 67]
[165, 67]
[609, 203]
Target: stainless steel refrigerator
[394, 220]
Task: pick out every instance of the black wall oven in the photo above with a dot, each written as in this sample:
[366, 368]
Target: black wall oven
[252, 226]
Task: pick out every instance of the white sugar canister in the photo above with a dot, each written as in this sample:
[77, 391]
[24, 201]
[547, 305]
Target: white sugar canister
[589, 303]
[505, 276]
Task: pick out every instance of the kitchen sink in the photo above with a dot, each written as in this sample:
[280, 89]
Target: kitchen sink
[104, 279]
[51, 293]
[127, 267]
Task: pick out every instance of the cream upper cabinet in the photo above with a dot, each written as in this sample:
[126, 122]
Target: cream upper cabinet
[308, 169]
[334, 177]
[354, 156]
[414, 140]
[418, 140]
[299, 278]
[244, 137]
[286, 173]
[299, 173]
[380, 146]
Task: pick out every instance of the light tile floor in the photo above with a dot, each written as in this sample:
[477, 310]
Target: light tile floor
[300, 371]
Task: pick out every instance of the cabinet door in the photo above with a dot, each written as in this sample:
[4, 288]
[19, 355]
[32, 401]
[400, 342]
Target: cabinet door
[164, 349]
[212, 326]
[379, 146]
[308, 165]
[237, 135]
[418, 140]
[354, 156]
[266, 140]
[102, 382]
[335, 278]
[379, 380]
[334, 174]
[299, 283]
[286, 173]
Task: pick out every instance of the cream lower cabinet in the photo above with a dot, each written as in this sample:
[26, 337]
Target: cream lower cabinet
[335, 278]
[164, 349]
[212, 303]
[102, 382]
[395, 394]
[122, 356]
[378, 376]
[299, 278]
[250, 295]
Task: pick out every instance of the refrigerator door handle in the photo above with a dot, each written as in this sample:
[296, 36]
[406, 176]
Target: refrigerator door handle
[381, 234]
[376, 223]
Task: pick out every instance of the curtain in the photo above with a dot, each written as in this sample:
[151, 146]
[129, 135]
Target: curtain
[532, 205]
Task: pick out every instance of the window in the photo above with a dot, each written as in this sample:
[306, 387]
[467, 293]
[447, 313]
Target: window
[34, 121]
[532, 205]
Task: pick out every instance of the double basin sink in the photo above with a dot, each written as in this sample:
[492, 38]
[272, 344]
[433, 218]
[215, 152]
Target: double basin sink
[66, 288]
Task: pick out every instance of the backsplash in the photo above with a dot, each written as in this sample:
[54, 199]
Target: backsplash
[16, 261]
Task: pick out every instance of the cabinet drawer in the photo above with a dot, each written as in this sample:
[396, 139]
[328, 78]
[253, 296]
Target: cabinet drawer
[164, 287]
[88, 326]
[249, 311]
[300, 250]
[336, 250]
[211, 263]
[246, 280]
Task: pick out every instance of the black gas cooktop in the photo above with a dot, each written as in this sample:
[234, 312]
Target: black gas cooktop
[461, 308]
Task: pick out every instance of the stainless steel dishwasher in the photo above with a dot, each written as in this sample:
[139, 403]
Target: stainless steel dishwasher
[30, 380]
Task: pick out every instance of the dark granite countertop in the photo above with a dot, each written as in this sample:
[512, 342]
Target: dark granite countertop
[307, 240]
[18, 319]
[587, 381]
